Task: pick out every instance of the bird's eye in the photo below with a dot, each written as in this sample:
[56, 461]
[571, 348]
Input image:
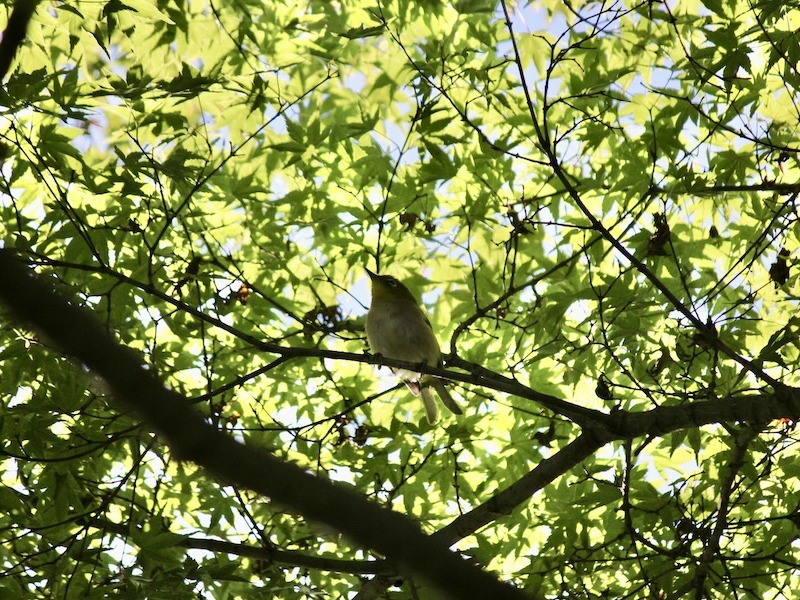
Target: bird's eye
[391, 282]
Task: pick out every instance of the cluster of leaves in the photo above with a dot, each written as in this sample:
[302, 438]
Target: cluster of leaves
[600, 200]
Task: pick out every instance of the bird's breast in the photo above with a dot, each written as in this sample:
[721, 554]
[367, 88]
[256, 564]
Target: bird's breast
[401, 332]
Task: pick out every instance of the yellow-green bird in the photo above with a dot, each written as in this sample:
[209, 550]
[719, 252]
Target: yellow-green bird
[397, 328]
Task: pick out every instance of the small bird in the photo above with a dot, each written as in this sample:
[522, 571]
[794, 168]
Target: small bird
[397, 328]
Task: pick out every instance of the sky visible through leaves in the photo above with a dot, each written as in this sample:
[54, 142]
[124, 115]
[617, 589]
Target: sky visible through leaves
[595, 202]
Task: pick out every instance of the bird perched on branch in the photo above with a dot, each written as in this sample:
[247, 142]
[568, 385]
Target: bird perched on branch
[397, 328]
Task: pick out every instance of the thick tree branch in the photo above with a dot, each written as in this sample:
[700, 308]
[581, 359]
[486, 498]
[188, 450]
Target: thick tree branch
[479, 375]
[666, 419]
[79, 335]
[14, 34]
[697, 190]
[503, 502]
[521, 490]
[620, 424]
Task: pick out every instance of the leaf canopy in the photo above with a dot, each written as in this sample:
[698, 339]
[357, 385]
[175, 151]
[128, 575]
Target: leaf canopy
[596, 203]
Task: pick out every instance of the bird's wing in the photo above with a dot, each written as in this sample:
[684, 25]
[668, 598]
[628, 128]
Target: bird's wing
[427, 320]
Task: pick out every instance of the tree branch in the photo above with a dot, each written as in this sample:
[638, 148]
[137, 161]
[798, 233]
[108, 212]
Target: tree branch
[620, 424]
[521, 490]
[395, 536]
[14, 34]
[269, 554]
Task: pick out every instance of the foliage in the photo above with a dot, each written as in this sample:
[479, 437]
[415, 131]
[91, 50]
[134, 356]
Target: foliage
[598, 203]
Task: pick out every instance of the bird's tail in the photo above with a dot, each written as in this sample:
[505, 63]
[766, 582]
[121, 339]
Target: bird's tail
[447, 399]
[431, 408]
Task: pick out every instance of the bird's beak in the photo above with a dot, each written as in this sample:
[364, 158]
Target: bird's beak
[370, 273]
